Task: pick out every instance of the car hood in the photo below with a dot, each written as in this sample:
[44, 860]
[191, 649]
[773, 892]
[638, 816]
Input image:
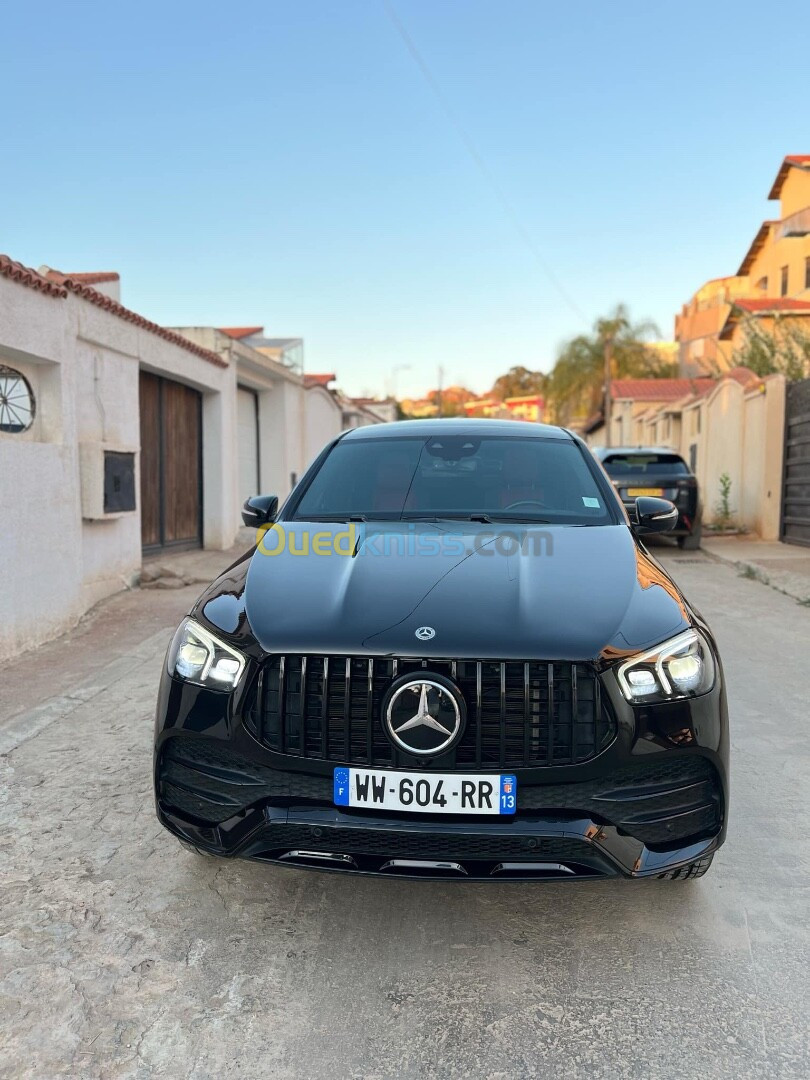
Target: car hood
[511, 592]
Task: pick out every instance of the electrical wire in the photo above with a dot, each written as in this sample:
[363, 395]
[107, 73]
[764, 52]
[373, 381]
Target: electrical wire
[480, 163]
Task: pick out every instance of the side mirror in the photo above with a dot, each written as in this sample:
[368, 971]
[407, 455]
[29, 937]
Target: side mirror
[654, 515]
[259, 510]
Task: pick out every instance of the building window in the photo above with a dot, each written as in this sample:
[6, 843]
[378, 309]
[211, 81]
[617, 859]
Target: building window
[783, 291]
[762, 284]
[17, 405]
[807, 272]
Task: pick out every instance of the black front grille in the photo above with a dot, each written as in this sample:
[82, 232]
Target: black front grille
[519, 714]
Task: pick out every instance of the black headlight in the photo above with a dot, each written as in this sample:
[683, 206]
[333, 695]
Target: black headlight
[197, 656]
[681, 667]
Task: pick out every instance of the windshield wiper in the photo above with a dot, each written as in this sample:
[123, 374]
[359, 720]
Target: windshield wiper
[478, 516]
[334, 518]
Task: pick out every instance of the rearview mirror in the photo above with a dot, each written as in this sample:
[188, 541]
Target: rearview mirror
[654, 515]
[260, 510]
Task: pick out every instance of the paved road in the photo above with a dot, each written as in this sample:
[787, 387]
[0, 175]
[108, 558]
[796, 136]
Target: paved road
[123, 956]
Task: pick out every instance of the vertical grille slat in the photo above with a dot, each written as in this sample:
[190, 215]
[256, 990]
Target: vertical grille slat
[370, 713]
[520, 714]
[551, 717]
[303, 706]
[478, 692]
[347, 711]
[574, 711]
[502, 712]
[325, 710]
[527, 712]
[282, 692]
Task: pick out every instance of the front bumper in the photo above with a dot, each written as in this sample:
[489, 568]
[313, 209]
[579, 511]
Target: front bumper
[637, 820]
[654, 800]
[532, 847]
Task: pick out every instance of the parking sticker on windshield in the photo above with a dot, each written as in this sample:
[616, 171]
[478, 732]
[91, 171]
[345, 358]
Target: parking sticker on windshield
[590, 502]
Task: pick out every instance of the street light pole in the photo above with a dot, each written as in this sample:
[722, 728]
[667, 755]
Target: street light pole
[608, 380]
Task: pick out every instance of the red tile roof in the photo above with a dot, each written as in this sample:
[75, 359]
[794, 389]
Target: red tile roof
[98, 277]
[319, 380]
[801, 161]
[658, 389]
[239, 332]
[773, 303]
[24, 275]
[766, 305]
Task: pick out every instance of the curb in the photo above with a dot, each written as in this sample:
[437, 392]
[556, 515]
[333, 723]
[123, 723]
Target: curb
[786, 583]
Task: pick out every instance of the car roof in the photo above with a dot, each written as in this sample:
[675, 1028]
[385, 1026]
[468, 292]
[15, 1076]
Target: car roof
[452, 425]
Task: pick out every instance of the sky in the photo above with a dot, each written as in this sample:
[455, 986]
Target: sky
[407, 185]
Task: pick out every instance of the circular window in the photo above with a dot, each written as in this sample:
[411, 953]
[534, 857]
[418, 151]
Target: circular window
[17, 406]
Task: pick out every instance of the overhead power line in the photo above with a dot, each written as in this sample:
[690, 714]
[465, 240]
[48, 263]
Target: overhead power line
[480, 163]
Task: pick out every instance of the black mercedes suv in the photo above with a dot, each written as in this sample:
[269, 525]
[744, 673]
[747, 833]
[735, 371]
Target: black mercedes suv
[449, 655]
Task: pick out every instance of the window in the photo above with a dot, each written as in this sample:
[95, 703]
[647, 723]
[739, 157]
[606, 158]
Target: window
[783, 291]
[637, 464]
[807, 272]
[454, 476]
[762, 284]
[17, 406]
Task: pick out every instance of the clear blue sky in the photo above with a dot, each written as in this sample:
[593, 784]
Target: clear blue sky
[290, 164]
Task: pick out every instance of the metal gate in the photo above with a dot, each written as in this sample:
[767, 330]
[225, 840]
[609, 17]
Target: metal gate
[796, 484]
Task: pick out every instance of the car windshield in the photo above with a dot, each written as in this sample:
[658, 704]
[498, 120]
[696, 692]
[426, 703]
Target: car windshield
[456, 476]
[618, 465]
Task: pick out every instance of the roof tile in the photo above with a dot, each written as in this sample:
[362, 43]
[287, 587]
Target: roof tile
[658, 389]
[24, 275]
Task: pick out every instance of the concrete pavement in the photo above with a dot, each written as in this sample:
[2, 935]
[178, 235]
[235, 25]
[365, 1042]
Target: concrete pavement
[121, 955]
[785, 567]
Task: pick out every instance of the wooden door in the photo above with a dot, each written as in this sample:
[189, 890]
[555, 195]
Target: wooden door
[171, 468]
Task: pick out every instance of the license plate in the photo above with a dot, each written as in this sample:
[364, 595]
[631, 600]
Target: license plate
[633, 492]
[426, 793]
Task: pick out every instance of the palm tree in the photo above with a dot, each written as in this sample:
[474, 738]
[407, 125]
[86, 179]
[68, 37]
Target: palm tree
[576, 382]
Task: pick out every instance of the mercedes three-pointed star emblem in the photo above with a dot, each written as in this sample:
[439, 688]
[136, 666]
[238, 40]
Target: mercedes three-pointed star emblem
[435, 723]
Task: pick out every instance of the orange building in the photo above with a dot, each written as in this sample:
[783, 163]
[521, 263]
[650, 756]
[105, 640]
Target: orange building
[528, 407]
[773, 280]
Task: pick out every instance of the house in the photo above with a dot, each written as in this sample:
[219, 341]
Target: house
[120, 437]
[631, 399]
[732, 425]
[524, 407]
[772, 282]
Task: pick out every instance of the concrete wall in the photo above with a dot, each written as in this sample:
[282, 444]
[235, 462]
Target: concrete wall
[83, 364]
[324, 421]
[734, 431]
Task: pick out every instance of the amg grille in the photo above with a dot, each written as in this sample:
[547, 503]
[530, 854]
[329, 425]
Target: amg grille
[519, 714]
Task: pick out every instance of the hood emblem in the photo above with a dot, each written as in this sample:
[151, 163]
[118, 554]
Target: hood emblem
[425, 633]
[423, 717]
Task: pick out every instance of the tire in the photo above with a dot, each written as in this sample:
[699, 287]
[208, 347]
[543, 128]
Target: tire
[690, 542]
[194, 850]
[691, 870]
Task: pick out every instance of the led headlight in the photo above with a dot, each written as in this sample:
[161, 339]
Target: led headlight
[679, 668]
[198, 657]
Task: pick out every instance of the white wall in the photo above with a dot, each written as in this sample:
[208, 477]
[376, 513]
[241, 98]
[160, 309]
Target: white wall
[83, 363]
[324, 421]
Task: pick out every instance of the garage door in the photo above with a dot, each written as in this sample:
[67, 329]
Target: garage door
[796, 485]
[247, 412]
[171, 463]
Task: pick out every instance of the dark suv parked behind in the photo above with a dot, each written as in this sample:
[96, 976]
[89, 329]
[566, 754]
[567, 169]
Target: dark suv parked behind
[658, 471]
